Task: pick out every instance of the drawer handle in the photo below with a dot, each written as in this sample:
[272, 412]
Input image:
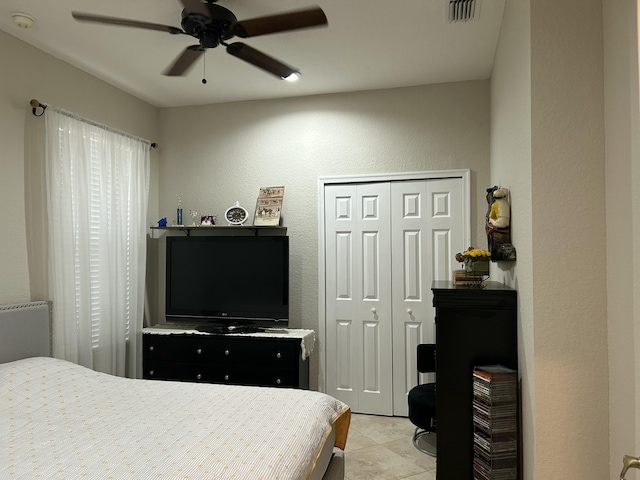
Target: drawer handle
[226, 352]
[151, 373]
[199, 351]
[278, 381]
[278, 355]
[226, 377]
[199, 377]
[151, 349]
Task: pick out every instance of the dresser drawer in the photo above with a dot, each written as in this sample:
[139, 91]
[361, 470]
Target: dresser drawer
[256, 352]
[265, 377]
[187, 372]
[178, 348]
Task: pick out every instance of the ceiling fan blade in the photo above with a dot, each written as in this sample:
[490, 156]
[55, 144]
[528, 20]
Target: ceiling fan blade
[185, 61]
[125, 22]
[196, 6]
[312, 17]
[260, 60]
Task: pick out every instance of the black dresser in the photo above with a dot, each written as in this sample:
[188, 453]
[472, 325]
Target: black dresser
[244, 359]
[474, 326]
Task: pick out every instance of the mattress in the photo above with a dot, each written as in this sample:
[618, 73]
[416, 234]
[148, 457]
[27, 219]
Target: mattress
[61, 420]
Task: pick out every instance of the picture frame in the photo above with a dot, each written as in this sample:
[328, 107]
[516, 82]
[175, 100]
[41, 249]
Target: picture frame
[207, 220]
[269, 206]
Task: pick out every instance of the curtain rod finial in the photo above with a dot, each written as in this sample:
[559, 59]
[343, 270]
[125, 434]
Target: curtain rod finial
[36, 104]
[154, 145]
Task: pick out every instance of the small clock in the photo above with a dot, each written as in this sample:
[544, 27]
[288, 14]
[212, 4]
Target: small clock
[236, 215]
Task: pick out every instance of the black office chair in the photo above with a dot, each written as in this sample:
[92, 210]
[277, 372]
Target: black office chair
[422, 402]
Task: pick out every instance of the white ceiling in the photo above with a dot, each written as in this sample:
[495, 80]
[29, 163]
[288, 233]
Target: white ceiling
[368, 44]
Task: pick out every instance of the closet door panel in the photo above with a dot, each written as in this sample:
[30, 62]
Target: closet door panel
[358, 303]
[374, 271]
[411, 258]
[343, 352]
[341, 293]
[427, 221]
[446, 208]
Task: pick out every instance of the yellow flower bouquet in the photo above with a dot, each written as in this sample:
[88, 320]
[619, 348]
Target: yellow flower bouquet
[475, 260]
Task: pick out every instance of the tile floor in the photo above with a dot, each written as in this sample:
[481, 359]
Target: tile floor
[380, 448]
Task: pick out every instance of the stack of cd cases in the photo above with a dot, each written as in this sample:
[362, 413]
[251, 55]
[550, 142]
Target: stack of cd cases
[495, 423]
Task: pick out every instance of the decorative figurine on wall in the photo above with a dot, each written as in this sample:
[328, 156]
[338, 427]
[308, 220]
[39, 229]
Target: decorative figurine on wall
[498, 225]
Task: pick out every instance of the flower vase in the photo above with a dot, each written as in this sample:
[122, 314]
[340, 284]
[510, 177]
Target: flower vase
[476, 266]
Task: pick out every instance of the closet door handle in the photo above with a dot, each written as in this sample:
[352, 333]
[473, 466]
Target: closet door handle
[373, 310]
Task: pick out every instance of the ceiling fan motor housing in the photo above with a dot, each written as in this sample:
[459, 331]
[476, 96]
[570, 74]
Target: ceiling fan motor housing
[209, 30]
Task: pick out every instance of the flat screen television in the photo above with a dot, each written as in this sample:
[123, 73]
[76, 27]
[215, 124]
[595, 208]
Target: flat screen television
[228, 283]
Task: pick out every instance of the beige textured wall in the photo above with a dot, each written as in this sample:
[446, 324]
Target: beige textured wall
[570, 382]
[218, 154]
[511, 167]
[547, 110]
[28, 73]
[623, 227]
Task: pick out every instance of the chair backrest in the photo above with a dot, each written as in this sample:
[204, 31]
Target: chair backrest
[426, 359]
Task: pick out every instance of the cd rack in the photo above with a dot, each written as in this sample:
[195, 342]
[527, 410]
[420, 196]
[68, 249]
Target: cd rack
[495, 423]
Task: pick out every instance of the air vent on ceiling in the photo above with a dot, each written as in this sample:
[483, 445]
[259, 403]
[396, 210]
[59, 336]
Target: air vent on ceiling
[463, 10]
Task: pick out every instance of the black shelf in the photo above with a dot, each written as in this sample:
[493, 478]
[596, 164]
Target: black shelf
[213, 228]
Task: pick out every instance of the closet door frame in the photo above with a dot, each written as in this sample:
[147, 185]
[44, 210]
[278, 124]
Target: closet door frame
[464, 174]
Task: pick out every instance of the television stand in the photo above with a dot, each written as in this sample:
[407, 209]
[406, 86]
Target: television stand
[268, 358]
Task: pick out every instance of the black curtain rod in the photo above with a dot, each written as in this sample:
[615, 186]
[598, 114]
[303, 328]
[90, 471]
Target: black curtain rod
[35, 104]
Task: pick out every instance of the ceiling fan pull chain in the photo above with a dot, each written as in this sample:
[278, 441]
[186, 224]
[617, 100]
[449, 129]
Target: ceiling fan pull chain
[204, 68]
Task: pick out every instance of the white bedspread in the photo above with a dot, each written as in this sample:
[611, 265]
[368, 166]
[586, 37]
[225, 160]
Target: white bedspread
[59, 420]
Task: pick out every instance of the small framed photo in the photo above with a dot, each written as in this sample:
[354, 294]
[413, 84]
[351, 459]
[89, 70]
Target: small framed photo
[208, 220]
[269, 206]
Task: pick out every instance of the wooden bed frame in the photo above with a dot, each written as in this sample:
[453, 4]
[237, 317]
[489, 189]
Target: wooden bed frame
[26, 331]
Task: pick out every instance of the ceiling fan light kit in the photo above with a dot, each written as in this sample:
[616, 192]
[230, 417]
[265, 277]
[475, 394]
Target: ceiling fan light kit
[213, 24]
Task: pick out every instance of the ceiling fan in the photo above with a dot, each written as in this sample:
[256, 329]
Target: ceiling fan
[213, 24]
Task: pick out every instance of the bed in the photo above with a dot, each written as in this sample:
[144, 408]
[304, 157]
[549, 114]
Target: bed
[61, 420]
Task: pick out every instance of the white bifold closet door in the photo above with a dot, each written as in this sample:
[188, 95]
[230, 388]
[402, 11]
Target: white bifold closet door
[384, 244]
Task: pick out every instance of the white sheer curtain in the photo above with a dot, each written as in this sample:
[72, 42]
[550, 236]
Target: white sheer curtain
[97, 195]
